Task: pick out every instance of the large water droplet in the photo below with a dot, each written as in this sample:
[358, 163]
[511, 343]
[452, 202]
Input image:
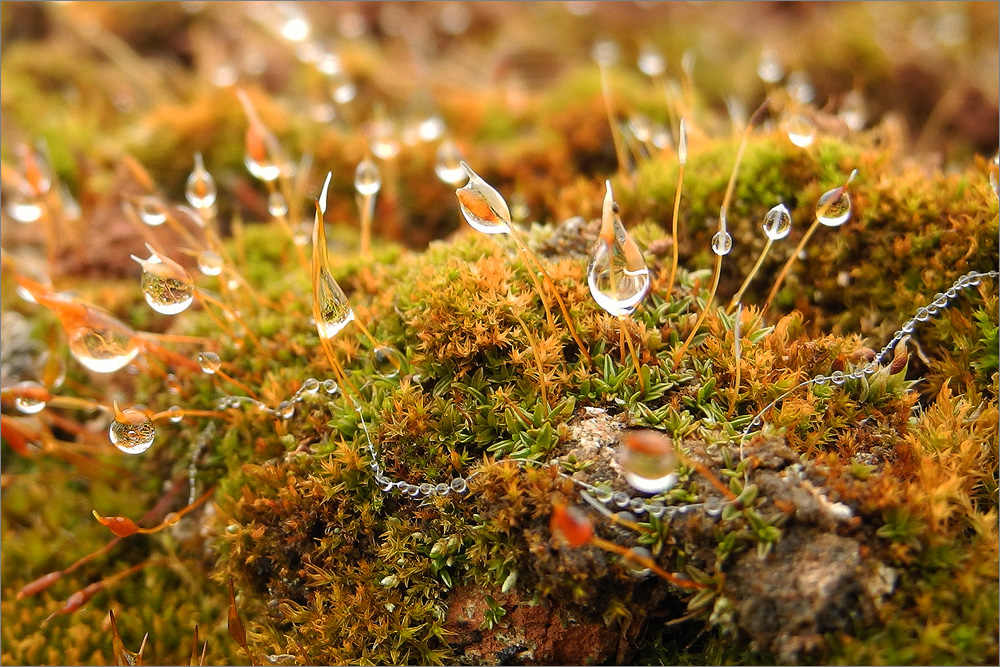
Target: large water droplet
[131, 431]
[28, 397]
[448, 166]
[210, 262]
[648, 460]
[276, 204]
[722, 243]
[152, 211]
[167, 286]
[834, 208]
[800, 130]
[200, 190]
[367, 179]
[617, 273]
[483, 207]
[103, 348]
[769, 68]
[651, 62]
[777, 223]
[634, 564]
[23, 206]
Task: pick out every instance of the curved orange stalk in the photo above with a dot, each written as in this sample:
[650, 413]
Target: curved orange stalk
[124, 527]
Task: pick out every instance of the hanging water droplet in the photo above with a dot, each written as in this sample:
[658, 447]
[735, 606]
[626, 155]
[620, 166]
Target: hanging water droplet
[331, 309]
[852, 110]
[769, 68]
[800, 130]
[777, 223]
[151, 211]
[301, 232]
[286, 409]
[167, 286]
[310, 386]
[634, 566]
[386, 361]
[651, 62]
[200, 190]
[648, 460]
[448, 165]
[23, 207]
[722, 243]
[103, 349]
[330, 387]
[209, 362]
[367, 178]
[384, 144]
[175, 413]
[430, 128]
[131, 431]
[276, 204]
[51, 369]
[210, 263]
[834, 208]
[617, 273]
[605, 52]
[483, 207]
[28, 397]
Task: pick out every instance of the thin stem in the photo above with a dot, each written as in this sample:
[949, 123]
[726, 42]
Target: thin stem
[753, 272]
[615, 137]
[225, 376]
[538, 362]
[525, 255]
[646, 562]
[367, 206]
[673, 234]
[788, 265]
[717, 272]
[283, 221]
[631, 348]
[202, 294]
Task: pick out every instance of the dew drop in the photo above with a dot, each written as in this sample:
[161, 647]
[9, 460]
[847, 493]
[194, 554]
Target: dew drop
[651, 62]
[209, 362]
[800, 130]
[634, 566]
[483, 207]
[210, 263]
[617, 274]
[51, 369]
[852, 110]
[838, 377]
[425, 489]
[648, 460]
[175, 413]
[448, 165]
[430, 128]
[167, 286]
[459, 485]
[104, 348]
[28, 399]
[384, 144]
[834, 208]
[131, 431]
[621, 499]
[442, 489]
[200, 190]
[722, 243]
[24, 207]
[151, 211]
[276, 204]
[605, 52]
[603, 493]
[386, 361]
[922, 315]
[641, 127]
[367, 179]
[777, 223]
[995, 174]
[286, 409]
[800, 88]
[310, 386]
[330, 387]
[769, 68]
[331, 309]
[295, 29]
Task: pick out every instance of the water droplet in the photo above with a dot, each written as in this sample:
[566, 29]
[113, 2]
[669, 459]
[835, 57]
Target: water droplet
[276, 204]
[800, 88]
[331, 309]
[167, 286]
[367, 179]
[448, 165]
[769, 68]
[51, 369]
[286, 409]
[176, 414]
[603, 493]
[209, 362]
[28, 399]
[637, 506]
[425, 489]
[210, 263]
[617, 273]
[131, 431]
[483, 207]
[442, 489]
[682, 146]
[648, 459]
[151, 211]
[834, 208]
[656, 508]
[621, 499]
[330, 387]
[922, 315]
[384, 144]
[642, 128]
[651, 62]
[636, 568]
[459, 485]
[310, 386]
[852, 110]
[713, 506]
[386, 361]
[605, 52]
[342, 89]
[995, 174]
[262, 156]
[722, 243]
[777, 223]
[24, 207]
[800, 130]
[430, 128]
[105, 348]
[200, 190]
[838, 377]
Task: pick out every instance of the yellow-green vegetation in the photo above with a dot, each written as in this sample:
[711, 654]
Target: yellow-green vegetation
[857, 524]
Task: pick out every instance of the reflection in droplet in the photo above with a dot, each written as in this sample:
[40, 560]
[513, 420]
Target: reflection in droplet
[200, 190]
[722, 243]
[28, 397]
[367, 178]
[834, 207]
[276, 204]
[131, 431]
[483, 207]
[777, 223]
[166, 285]
[617, 274]
[331, 309]
[769, 68]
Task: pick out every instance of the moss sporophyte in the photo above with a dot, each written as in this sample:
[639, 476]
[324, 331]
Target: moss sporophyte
[446, 457]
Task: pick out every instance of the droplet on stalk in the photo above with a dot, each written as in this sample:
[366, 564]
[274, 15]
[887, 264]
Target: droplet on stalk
[132, 430]
[617, 273]
[448, 165]
[800, 130]
[210, 362]
[722, 243]
[367, 179]
[777, 223]
[483, 207]
[29, 397]
[834, 207]
[210, 263]
[570, 525]
[276, 204]
[769, 68]
[151, 211]
[332, 310]
[167, 286]
[649, 460]
[200, 190]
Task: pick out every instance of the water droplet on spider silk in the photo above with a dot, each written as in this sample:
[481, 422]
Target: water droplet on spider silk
[777, 223]
[286, 409]
[310, 386]
[769, 68]
[104, 348]
[131, 430]
[386, 361]
[330, 387]
[23, 206]
[834, 207]
[722, 243]
[800, 130]
[367, 178]
[209, 362]
[483, 207]
[200, 190]
[648, 460]
[331, 309]
[28, 399]
[151, 211]
[448, 165]
[617, 274]
[651, 62]
[210, 262]
[276, 204]
[167, 286]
